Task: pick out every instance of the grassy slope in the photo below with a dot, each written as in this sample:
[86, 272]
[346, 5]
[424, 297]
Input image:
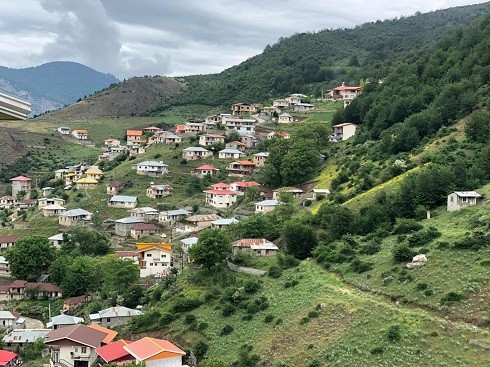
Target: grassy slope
[349, 326]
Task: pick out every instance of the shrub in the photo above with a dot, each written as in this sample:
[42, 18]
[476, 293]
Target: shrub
[247, 317]
[200, 349]
[252, 286]
[167, 318]
[370, 248]
[278, 322]
[274, 271]
[287, 261]
[185, 304]
[228, 310]
[422, 286]
[190, 319]
[202, 326]
[313, 314]
[393, 334]
[428, 292]
[453, 297]
[405, 226]
[268, 318]
[360, 267]
[475, 241]
[377, 350]
[227, 329]
[402, 252]
[423, 237]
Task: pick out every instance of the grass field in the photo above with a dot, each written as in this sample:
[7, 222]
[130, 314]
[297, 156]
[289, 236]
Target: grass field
[346, 327]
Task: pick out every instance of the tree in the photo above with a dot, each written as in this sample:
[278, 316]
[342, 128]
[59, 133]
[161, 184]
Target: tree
[83, 275]
[300, 239]
[211, 249]
[477, 128]
[118, 274]
[300, 162]
[30, 257]
[86, 242]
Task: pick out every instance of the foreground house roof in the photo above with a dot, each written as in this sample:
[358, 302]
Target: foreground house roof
[147, 348]
[114, 351]
[12, 108]
[77, 333]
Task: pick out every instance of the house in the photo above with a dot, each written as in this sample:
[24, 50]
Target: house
[111, 142]
[196, 223]
[41, 203]
[87, 183]
[303, 107]
[114, 353]
[152, 352]
[75, 344]
[122, 227]
[8, 201]
[73, 303]
[280, 103]
[343, 131]
[213, 119]
[221, 196]
[194, 126]
[128, 255]
[179, 129]
[285, 118]
[20, 289]
[344, 93]
[291, 190]
[47, 191]
[27, 203]
[64, 130]
[7, 319]
[140, 230]
[7, 242]
[278, 135]
[155, 259]
[151, 168]
[170, 217]
[164, 137]
[123, 201]
[240, 109]
[241, 186]
[151, 129]
[136, 150]
[221, 223]
[113, 316]
[63, 320]
[186, 243]
[16, 339]
[294, 99]
[462, 199]
[71, 217]
[110, 334]
[238, 145]
[260, 158]
[318, 192]
[210, 139]
[249, 140]
[146, 213]
[271, 110]
[52, 210]
[266, 206]
[56, 240]
[256, 246]
[230, 154]
[4, 291]
[194, 153]
[21, 184]
[114, 187]
[158, 191]
[80, 134]
[9, 359]
[94, 172]
[134, 137]
[4, 267]
[205, 170]
[240, 168]
[241, 126]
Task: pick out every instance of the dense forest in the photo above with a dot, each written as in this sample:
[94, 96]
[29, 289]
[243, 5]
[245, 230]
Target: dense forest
[310, 62]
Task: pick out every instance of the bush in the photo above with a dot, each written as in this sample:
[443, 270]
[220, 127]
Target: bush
[227, 329]
[287, 261]
[453, 297]
[268, 318]
[422, 286]
[247, 317]
[252, 286]
[423, 237]
[377, 350]
[360, 267]
[313, 314]
[274, 271]
[200, 349]
[394, 334]
[475, 241]
[402, 253]
[278, 322]
[228, 310]
[405, 226]
[202, 326]
[370, 248]
[184, 304]
[190, 319]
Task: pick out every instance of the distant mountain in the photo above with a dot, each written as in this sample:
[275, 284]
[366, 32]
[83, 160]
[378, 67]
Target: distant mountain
[54, 84]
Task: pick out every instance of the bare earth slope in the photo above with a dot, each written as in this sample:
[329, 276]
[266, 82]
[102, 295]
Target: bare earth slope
[133, 97]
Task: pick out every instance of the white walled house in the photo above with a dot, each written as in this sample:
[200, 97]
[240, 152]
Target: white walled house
[71, 217]
[170, 217]
[114, 316]
[158, 191]
[260, 158]
[266, 206]
[123, 201]
[155, 259]
[462, 199]
[151, 168]
[229, 153]
[205, 170]
[343, 131]
[241, 126]
[80, 134]
[210, 139]
[221, 196]
[285, 118]
[194, 153]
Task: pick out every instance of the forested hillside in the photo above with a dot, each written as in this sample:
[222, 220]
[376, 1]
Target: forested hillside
[308, 62]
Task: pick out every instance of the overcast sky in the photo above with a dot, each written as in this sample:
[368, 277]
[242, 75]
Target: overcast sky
[174, 37]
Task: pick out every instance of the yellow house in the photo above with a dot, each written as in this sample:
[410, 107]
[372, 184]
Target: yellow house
[154, 258]
[94, 172]
[86, 183]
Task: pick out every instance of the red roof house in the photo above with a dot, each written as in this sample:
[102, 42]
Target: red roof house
[7, 358]
[115, 352]
[152, 349]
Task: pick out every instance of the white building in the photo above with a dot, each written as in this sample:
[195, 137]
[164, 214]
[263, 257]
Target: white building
[221, 196]
[462, 199]
[229, 153]
[343, 131]
[151, 168]
[266, 206]
[123, 201]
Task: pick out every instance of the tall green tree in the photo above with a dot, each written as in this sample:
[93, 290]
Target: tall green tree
[83, 275]
[211, 249]
[300, 239]
[85, 242]
[118, 275]
[30, 257]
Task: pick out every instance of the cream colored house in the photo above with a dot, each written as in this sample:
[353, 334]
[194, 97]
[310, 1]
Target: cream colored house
[86, 183]
[80, 134]
[155, 259]
[210, 139]
[123, 201]
[196, 223]
[71, 217]
[221, 196]
[194, 153]
[343, 131]
[158, 191]
[205, 170]
[260, 158]
[285, 118]
[151, 168]
[52, 210]
[266, 206]
[229, 153]
[41, 203]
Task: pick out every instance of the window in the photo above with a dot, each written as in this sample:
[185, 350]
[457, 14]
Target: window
[76, 350]
[108, 319]
[148, 255]
[84, 350]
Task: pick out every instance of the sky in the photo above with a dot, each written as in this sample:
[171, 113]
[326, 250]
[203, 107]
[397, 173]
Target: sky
[174, 37]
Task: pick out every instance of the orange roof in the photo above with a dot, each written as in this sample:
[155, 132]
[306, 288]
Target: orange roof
[207, 167]
[161, 246]
[111, 334]
[149, 128]
[246, 183]
[180, 127]
[245, 163]
[214, 136]
[134, 132]
[81, 131]
[282, 133]
[147, 348]
[221, 184]
[239, 143]
[347, 87]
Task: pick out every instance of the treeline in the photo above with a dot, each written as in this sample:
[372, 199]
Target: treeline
[425, 91]
[310, 62]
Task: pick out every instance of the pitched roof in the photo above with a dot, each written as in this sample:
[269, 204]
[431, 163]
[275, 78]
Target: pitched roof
[129, 220]
[87, 180]
[147, 347]
[7, 315]
[213, 135]
[268, 203]
[8, 239]
[123, 254]
[220, 185]
[25, 335]
[20, 178]
[134, 132]
[80, 131]
[344, 124]
[152, 164]
[467, 194]
[75, 213]
[6, 357]
[75, 300]
[111, 334]
[247, 242]
[115, 184]
[245, 163]
[224, 221]
[203, 218]
[195, 149]
[124, 199]
[113, 351]
[207, 167]
[116, 311]
[64, 320]
[143, 210]
[221, 192]
[77, 333]
[231, 151]
[176, 212]
[245, 183]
